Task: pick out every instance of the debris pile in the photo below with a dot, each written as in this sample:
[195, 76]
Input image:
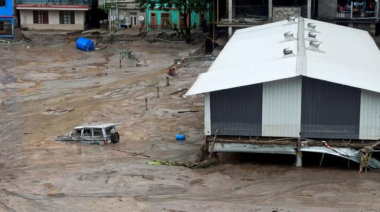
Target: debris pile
[200, 165]
[57, 111]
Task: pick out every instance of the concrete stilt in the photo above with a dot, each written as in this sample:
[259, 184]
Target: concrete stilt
[270, 10]
[309, 9]
[229, 18]
[323, 156]
[299, 159]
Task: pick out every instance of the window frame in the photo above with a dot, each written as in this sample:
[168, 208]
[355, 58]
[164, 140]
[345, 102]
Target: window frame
[201, 20]
[166, 26]
[153, 26]
[40, 17]
[62, 15]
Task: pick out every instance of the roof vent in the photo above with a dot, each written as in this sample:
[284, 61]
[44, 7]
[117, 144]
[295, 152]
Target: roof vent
[288, 34]
[288, 51]
[291, 20]
[312, 35]
[314, 44]
[311, 27]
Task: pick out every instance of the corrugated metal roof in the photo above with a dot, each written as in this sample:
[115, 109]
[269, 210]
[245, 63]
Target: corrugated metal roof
[254, 55]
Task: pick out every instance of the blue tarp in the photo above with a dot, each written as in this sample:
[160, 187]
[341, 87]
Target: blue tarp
[85, 44]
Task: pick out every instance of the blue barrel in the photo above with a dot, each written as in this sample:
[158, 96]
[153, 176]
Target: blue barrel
[85, 44]
[180, 137]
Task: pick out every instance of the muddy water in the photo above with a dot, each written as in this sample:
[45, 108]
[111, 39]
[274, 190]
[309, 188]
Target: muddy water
[39, 174]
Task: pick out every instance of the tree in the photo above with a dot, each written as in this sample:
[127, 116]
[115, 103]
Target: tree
[185, 8]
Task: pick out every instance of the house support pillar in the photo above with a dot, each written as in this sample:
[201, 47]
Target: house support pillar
[270, 10]
[309, 9]
[229, 18]
[299, 154]
[299, 159]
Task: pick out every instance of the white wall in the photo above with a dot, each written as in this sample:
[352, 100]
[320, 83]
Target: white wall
[26, 17]
[127, 15]
[369, 115]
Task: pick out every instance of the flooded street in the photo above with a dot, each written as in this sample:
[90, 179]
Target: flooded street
[38, 173]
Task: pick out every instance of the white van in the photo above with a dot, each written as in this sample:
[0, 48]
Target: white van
[98, 134]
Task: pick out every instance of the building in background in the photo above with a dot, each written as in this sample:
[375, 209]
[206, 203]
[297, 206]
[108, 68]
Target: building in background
[362, 14]
[6, 18]
[159, 19]
[50, 14]
[123, 13]
[236, 14]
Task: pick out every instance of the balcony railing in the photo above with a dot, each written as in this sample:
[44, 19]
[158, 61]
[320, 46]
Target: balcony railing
[55, 2]
[355, 13]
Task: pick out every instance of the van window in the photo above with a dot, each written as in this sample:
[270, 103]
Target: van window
[108, 130]
[87, 132]
[98, 132]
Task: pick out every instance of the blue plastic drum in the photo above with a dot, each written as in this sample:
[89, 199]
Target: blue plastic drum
[85, 44]
[180, 137]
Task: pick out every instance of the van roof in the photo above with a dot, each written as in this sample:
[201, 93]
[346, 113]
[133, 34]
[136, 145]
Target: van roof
[95, 126]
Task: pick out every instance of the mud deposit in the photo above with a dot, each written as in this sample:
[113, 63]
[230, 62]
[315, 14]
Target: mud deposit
[46, 91]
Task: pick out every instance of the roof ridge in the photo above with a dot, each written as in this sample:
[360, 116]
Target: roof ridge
[301, 50]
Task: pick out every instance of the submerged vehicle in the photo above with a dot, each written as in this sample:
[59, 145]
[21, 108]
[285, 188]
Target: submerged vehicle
[94, 134]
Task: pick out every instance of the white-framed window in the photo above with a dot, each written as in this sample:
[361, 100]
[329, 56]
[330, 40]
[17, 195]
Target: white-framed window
[40, 17]
[133, 19]
[66, 17]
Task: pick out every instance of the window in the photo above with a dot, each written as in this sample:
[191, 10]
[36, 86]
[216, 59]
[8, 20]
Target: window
[98, 132]
[2, 3]
[40, 17]
[66, 17]
[133, 19]
[87, 132]
[182, 21]
[1, 25]
[165, 20]
[153, 21]
[202, 20]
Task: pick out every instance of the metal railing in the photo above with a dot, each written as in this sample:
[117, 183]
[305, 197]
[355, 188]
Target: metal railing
[55, 2]
[356, 13]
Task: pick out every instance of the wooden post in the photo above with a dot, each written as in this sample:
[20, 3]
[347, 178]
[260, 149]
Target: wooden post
[158, 92]
[146, 104]
[120, 63]
[167, 81]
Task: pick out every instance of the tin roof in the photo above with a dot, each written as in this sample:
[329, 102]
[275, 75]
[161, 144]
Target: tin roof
[255, 55]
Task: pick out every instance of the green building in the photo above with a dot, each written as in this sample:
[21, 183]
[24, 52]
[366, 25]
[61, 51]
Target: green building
[158, 19]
